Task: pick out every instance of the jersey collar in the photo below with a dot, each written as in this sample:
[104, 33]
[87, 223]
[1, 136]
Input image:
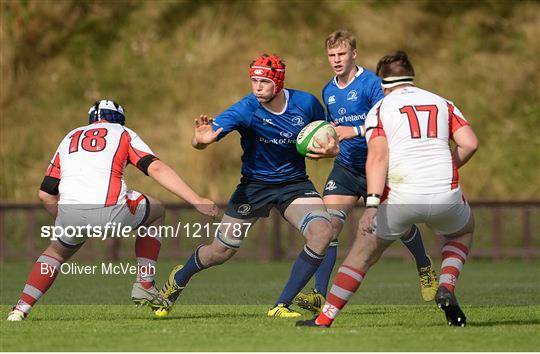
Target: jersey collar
[399, 90]
[286, 92]
[358, 73]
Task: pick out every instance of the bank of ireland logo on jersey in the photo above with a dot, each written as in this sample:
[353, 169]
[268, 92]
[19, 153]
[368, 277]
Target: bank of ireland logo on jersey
[244, 209]
[352, 95]
[298, 121]
[331, 185]
[332, 99]
[286, 134]
[342, 111]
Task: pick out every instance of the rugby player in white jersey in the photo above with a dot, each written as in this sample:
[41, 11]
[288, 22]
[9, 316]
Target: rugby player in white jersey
[84, 185]
[412, 176]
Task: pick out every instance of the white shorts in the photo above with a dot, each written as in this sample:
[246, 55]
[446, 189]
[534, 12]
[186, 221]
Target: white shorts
[73, 219]
[444, 213]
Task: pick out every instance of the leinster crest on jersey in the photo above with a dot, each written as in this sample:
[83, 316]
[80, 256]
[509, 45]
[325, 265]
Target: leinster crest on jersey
[298, 121]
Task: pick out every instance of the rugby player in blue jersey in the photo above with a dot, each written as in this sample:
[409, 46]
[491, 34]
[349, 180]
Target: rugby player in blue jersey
[273, 175]
[348, 98]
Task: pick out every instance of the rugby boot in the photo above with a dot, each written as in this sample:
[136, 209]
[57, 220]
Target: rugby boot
[447, 302]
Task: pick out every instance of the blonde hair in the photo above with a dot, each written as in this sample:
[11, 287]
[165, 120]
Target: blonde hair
[336, 38]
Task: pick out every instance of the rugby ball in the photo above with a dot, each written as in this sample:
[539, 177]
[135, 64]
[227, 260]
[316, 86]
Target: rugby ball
[319, 129]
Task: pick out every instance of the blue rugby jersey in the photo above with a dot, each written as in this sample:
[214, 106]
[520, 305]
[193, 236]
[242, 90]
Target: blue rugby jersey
[348, 106]
[268, 139]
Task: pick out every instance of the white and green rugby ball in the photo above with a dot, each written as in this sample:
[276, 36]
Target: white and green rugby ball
[319, 129]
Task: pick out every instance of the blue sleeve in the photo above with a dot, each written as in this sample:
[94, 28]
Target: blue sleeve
[376, 93]
[233, 118]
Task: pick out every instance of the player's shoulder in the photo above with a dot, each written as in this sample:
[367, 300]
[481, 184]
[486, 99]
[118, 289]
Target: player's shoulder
[367, 73]
[131, 132]
[376, 107]
[442, 98]
[330, 85]
[426, 95]
[74, 130]
[304, 101]
[301, 97]
[422, 91]
[246, 104]
[368, 76]
[249, 100]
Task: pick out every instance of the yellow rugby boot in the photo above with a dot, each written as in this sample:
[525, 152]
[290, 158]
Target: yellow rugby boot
[170, 291]
[313, 301]
[428, 281]
[282, 311]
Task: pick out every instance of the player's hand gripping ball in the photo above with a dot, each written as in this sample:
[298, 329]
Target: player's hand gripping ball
[319, 130]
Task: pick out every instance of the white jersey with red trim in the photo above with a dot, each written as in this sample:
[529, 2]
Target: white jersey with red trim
[90, 163]
[418, 125]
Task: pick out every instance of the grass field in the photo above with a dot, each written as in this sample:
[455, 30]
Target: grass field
[223, 309]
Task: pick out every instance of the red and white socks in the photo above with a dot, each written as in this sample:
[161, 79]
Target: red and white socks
[347, 281]
[454, 255]
[39, 280]
[147, 252]
[46, 269]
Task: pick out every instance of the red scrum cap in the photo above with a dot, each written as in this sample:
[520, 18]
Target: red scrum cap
[269, 67]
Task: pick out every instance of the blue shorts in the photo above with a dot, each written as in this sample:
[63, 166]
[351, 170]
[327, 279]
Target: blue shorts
[256, 199]
[345, 181]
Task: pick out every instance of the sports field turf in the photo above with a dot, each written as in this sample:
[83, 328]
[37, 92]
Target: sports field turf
[223, 309]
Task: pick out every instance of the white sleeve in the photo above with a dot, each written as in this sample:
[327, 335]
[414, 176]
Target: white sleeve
[373, 123]
[138, 144]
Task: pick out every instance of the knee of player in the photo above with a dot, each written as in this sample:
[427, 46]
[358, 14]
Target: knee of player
[228, 240]
[336, 228]
[320, 230]
[158, 206]
[327, 231]
[59, 252]
[337, 218]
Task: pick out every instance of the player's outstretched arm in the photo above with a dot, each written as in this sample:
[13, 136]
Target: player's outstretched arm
[466, 145]
[170, 180]
[50, 202]
[204, 135]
